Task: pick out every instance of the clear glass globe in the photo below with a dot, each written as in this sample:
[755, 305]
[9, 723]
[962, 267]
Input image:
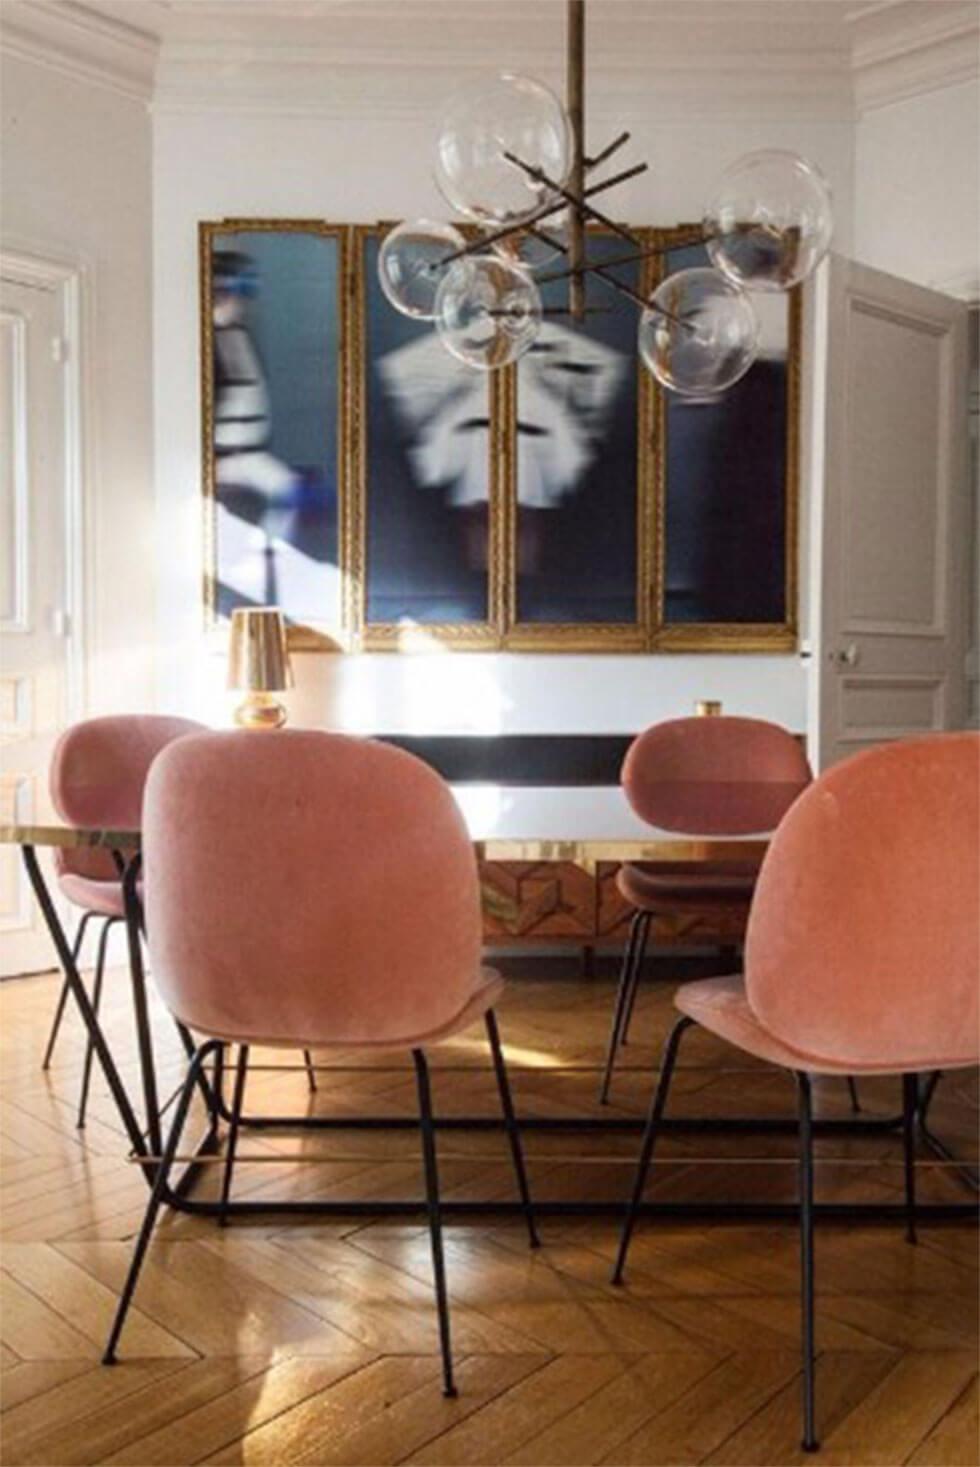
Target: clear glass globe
[700, 333]
[488, 313]
[531, 252]
[482, 122]
[770, 220]
[410, 265]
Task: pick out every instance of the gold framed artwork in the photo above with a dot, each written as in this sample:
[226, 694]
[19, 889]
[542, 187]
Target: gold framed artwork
[727, 491]
[390, 498]
[274, 420]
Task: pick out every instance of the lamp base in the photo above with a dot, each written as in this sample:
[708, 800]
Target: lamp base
[260, 710]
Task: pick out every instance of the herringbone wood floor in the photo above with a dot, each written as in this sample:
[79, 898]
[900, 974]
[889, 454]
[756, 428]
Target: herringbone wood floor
[315, 1341]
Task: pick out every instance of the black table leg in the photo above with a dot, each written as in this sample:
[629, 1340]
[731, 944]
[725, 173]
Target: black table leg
[141, 1011]
[69, 968]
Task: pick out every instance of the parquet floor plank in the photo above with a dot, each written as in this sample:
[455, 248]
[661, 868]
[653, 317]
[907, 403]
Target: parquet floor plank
[502, 1427]
[955, 1440]
[220, 1417]
[899, 1414]
[288, 1340]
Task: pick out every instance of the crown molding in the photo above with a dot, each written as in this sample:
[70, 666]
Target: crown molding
[75, 41]
[394, 59]
[905, 48]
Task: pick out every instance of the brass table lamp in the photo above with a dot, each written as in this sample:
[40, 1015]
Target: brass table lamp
[258, 665]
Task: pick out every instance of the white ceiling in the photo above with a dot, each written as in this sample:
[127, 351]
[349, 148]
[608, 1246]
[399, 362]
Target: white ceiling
[818, 55]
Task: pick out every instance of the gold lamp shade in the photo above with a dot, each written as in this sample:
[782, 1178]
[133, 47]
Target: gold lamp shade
[258, 664]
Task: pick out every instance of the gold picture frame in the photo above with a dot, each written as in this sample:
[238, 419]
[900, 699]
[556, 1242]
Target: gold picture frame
[331, 633]
[722, 636]
[381, 636]
[593, 636]
[502, 629]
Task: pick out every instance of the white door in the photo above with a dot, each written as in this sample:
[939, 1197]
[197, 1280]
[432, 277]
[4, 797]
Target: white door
[33, 664]
[889, 523]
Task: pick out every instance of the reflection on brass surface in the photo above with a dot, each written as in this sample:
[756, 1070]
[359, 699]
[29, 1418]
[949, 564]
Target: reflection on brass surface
[583, 852]
[588, 852]
[67, 837]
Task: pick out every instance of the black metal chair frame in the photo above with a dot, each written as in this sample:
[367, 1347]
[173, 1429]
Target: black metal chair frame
[96, 999]
[912, 1100]
[107, 923]
[196, 1076]
[630, 975]
[146, 1144]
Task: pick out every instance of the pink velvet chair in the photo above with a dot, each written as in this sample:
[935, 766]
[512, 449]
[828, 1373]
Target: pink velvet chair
[862, 953]
[310, 889]
[98, 771]
[704, 776]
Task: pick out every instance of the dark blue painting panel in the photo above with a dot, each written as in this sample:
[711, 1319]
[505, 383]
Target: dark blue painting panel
[275, 423]
[426, 468]
[725, 485]
[576, 451]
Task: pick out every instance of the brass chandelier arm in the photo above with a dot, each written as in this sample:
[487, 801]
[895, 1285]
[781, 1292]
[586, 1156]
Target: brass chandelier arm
[608, 150]
[580, 271]
[677, 244]
[579, 202]
[545, 212]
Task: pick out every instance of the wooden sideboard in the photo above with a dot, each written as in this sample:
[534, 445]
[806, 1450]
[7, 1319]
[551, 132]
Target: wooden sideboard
[553, 904]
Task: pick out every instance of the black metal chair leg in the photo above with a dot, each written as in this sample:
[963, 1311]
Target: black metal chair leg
[619, 1008]
[852, 1090]
[910, 1108]
[809, 1443]
[310, 1071]
[649, 1142]
[59, 1012]
[238, 1095]
[513, 1130]
[435, 1216]
[96, 1000]
[218, 1078]
[634, 988]
[156, 1198]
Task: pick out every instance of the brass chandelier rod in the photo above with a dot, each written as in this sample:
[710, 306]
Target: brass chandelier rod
[575, 107]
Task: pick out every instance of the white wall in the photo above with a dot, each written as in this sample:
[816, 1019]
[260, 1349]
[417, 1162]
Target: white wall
[208, 165]
[917, 187]
[77, 186]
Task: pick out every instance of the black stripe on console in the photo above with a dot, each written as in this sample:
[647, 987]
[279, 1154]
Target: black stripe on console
[520, 759]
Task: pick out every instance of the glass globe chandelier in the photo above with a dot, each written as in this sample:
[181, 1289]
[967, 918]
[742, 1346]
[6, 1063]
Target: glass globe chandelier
[512, 160]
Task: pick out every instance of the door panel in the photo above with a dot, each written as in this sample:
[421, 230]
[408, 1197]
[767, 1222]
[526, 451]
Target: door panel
[888, 543]
[32, 591]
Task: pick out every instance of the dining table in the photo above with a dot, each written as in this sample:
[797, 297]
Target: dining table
[584, 826]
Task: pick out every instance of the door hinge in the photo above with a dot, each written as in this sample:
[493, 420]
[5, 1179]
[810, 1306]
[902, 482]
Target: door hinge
[61, 622]
[59, 349]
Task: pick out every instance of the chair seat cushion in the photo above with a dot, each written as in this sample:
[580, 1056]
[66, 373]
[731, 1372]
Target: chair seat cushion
[663, 886]
[104, 898]
[721, 1006]
[486, 992]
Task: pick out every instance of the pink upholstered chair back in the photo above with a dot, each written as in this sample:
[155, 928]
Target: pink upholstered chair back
[863, 943]
[98, 772]
[307, 888]
[714, 776]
